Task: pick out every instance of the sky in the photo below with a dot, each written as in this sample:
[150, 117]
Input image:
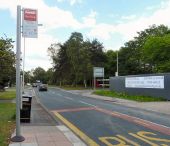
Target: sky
[112, 22]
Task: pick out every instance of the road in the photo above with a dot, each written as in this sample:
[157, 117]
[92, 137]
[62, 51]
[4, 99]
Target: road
[102, 123]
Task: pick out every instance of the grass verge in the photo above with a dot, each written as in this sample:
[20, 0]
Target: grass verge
[7, 122]
[128, 97]
[7, 95]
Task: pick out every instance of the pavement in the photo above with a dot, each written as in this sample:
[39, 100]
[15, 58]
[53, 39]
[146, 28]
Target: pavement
[44, 130]
[160, 107]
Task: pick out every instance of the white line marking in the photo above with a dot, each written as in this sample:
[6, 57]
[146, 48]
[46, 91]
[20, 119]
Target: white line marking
[87, 103]
[69, 98]
[59, 94]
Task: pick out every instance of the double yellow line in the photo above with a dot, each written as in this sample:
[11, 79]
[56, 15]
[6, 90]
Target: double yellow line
[83, 136]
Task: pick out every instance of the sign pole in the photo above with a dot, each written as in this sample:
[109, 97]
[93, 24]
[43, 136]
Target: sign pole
[103, 78]
[94, 83]
[18, 137]
[117, 64]
[23, 80]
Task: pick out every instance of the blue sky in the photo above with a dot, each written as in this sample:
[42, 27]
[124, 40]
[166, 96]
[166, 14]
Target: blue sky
[112, 22]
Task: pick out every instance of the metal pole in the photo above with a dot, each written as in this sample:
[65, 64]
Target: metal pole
[21, 93]
[94, 83]
[23, 80]
[117, 64]
[18, 137]
[103, 77]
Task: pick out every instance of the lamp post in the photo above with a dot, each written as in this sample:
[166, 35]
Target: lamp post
[117, 64]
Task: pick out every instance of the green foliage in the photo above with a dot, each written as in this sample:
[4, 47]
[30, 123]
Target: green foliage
[74, 60]
[111, 63]
[7, 61]
[126, 96]
[157, 53]
[133, 59]
[40, 74]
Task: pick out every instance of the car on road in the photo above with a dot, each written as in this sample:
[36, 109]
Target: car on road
[34, 85]
[43, 87]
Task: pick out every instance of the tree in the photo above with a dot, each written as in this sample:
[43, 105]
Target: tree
[40, 74]
[27, 77]
[61, 64]
[96, 53]
[74, 51]
[7, 61]
[49, 76]
[131, 56]
[157, 52]
[111, 63]
[74, 60]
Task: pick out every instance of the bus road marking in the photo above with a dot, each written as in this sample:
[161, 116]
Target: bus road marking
[76, 130]
[73, 109]
[142, 136]
[150, 125]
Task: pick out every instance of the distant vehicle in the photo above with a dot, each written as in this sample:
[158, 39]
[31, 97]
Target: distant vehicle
[43, 87]
[102, 83]
[28, 84]
[38, 83]
[34, 85]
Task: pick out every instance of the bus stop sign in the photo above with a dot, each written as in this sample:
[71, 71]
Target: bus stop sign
[30, 23]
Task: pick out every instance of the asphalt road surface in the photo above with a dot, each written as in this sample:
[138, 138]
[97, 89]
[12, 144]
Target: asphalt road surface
[103, 123]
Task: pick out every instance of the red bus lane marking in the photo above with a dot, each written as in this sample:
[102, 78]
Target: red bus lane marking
[150, 125]
[74, 109]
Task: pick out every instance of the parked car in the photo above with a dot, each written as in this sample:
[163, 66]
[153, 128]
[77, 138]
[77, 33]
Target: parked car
[43, 87]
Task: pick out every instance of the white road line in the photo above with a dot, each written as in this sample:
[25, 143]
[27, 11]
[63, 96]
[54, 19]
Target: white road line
[68, 98]
[87, 103]
[59, 94]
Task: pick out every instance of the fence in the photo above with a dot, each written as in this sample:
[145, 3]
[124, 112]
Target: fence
[155, 85]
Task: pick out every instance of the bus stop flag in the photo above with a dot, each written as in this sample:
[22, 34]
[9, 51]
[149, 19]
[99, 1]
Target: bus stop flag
[30, 23]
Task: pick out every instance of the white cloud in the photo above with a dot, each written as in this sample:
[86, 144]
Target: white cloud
[102, 31]
[72, 2]
[90, 20]
[51, 18]
[129, 29]
[54, 17]
[36, 51]
[130, 17]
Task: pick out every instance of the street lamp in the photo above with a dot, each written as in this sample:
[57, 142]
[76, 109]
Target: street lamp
[117, 71]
